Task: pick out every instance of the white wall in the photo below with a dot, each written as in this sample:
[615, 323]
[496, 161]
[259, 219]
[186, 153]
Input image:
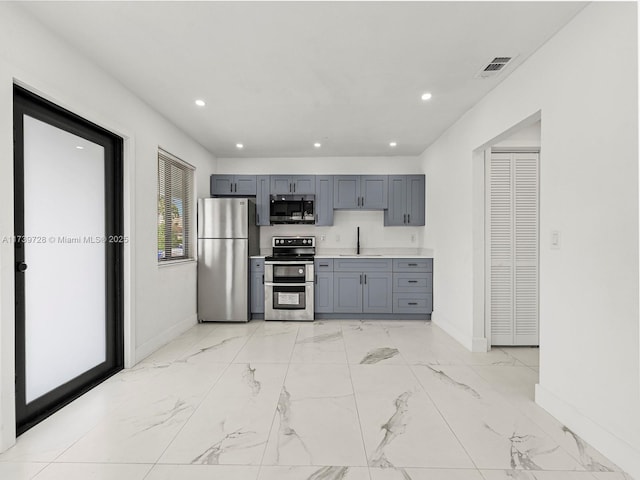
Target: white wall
[341, 236]
[589, 365]
[160, 301]
[528, 136]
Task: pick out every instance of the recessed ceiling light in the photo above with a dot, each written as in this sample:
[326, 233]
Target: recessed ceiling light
[317, 145]
[393, 144]
[239, 145]
[426, 96]
[200, 103]
[79, 147]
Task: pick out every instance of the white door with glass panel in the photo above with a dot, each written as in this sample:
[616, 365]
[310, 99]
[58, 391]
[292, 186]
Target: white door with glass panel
[67, 258]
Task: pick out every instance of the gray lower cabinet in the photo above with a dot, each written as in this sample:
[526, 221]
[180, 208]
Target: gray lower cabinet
[362, 285]
[377, 292]
[359, 292]
[347, 292]
[406, 201]
[323, 291]
[257, 285]
[413, 285]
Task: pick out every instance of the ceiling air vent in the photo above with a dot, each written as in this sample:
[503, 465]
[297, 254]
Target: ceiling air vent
[494, 67]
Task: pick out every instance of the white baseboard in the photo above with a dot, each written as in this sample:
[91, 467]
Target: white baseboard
[147, 348]
[615, 449]
[479, 344]
[465, 340]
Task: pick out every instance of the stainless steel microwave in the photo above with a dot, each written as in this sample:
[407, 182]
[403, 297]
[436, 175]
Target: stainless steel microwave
[294, 209]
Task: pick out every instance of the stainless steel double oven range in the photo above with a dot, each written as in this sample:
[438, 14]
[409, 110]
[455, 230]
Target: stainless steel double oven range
[289, 279]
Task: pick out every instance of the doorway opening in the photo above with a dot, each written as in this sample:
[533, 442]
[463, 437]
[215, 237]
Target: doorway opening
[523, 137]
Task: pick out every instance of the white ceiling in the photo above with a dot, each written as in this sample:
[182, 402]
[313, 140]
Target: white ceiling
[279, 76]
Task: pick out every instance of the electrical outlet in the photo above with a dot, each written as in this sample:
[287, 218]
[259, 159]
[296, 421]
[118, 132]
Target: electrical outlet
[323, 238]
[413, 238]
[555, 240]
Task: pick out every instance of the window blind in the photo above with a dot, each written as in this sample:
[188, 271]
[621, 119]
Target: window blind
[175, 207]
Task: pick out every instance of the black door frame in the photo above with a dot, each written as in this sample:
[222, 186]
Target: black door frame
[27, 103]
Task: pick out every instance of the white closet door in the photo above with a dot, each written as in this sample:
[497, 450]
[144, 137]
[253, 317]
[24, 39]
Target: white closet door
[525, 293]
[513, 248]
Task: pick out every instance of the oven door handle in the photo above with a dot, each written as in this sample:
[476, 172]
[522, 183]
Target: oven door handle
[274, 284]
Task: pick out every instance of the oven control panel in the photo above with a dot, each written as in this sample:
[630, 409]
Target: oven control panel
[293, 241]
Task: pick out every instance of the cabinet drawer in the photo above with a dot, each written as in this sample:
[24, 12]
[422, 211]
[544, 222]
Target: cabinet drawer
[361, 265]
[412, 303]
[412, 282]
[324, 265]
[257, 264]
[413, 264]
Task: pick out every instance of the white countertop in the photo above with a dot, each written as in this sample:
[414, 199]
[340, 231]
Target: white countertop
[342, 255]
[382, 253]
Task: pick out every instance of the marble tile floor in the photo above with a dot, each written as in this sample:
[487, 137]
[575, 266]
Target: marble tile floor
[332, 400]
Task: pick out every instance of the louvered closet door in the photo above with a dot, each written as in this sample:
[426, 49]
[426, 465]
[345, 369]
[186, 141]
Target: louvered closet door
[513, 248]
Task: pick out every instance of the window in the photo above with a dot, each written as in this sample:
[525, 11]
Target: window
[175, 194]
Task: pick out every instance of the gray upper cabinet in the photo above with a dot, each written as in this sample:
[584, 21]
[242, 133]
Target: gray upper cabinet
[367, 192]
[416, 193]
[346, 191]
[406, 201]
[285, 184]
[374, 191]
[304, 184]
[262, 200]
[227, 185]
[324, 200]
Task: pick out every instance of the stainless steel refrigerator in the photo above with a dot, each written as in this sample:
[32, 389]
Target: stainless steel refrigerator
[227, 237]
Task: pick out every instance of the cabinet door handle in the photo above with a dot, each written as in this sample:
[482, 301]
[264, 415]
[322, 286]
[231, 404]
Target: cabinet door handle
[316, 278]
[365, 279]
[263, 278]
[294, 188]
[413, 281]
[413, 303]
[231, 188]
[412, 264]
[360, 279]
[408, 218]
